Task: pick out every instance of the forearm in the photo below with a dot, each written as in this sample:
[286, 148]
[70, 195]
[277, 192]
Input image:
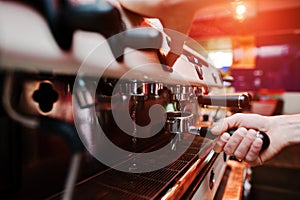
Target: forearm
[289, 128]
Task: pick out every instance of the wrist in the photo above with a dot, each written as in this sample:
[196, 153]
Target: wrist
[289, 127]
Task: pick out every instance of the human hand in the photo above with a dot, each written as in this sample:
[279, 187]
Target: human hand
[244, 143]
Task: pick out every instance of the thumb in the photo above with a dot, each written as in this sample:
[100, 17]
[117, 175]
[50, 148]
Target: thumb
[233, 121]
[220, 127]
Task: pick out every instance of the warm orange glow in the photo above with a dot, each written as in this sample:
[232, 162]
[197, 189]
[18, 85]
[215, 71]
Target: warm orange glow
[240, 9]
[243, 49]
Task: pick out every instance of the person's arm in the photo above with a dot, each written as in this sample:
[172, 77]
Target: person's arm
[290, 125]
[282, 130]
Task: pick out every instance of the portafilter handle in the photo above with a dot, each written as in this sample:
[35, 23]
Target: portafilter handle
[206, 132]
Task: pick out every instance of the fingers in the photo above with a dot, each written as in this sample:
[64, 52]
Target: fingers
[243, 144]
[221, 141]
[254, 150]
[235, 140]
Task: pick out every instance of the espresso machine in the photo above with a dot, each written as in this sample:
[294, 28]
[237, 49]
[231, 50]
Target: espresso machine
[92, 108]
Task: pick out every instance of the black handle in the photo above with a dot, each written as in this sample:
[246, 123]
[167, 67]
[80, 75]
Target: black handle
[142, 38]
[262, 135]
[239, 100]
[100, 17]
[64, 18]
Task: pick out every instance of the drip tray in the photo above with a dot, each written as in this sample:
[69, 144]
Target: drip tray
[112, 184]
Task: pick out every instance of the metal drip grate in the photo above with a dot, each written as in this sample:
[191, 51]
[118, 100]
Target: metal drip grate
[114, 184]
